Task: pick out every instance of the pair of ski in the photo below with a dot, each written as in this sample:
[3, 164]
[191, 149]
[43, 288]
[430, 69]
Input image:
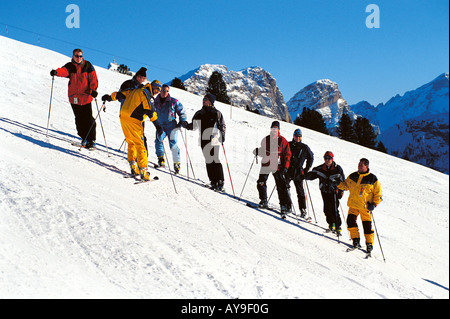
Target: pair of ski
[78, 144]
[368, 253]
[139, 180]
[283, 215]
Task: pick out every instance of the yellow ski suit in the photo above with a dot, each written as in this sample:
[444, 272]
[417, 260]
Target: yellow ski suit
[137, 106]
[364, 188]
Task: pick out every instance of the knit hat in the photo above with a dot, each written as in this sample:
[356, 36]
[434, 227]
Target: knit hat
[142, 72]
[328, 153]
[298, 132]
[156, 83]
[275, 123]
[211, 98]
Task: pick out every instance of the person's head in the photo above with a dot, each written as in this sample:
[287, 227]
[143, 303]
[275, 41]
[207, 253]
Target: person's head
[209, 99]
[164, 91]
[298, 135]
[363, 165]
[328, 158]
[156, 87]
[77, 55]
[141, 75]
[275, 128]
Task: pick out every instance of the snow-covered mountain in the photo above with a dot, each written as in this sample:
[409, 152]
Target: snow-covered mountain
[416, 125]
[253, 87]
[72, 227]
[325, 97]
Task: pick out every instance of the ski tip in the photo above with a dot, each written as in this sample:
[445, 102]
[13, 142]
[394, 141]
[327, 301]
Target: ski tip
[156, 178]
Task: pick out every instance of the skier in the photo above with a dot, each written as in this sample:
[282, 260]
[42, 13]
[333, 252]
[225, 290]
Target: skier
[137, 106]
[301, 153]
[156, 87]
[210, 122]
[276, 157]
[135, 82]
[330, 174]
[365, 195]
[168, 108]
[83, 85]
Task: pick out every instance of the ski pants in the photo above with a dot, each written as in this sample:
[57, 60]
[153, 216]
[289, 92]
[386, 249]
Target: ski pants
[282, 188]
[298, 183]
[169, 130]
[84, 121]
[134, 135]
[214, 167]
[331, 209]
[366, 219]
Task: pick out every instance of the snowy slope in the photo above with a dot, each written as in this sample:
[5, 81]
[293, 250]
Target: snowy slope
[72, 227]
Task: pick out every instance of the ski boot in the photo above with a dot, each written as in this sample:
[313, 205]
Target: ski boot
[369, 248]
[145, 175]
[263, 204]
[90, 145]
[134, 168]
[284, 211]
[161, 162]
[356, 243]
[176, 167]
[302, 213]
[219, 187]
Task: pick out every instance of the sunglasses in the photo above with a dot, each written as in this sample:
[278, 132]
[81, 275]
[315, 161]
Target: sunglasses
[78, 56]
[165, 91]
[327, 158]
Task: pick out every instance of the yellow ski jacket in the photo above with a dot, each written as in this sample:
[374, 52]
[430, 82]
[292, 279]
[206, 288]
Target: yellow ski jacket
[138, 104]
[363, 188]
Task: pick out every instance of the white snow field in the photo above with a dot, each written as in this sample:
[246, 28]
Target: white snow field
[71, 226]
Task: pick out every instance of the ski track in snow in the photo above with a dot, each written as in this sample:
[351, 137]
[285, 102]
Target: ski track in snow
[73, 227]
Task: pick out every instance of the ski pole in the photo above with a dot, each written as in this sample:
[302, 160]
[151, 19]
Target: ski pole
[187, 154]
[101, 124]
[310, 199]
[247, 178]
[229, 173]
[336, 216]
[50, 106]
[90, 129]
[378, 237]
[170, 171]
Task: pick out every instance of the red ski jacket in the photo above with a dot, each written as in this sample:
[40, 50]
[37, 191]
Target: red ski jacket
[275, 151]
[82, 81]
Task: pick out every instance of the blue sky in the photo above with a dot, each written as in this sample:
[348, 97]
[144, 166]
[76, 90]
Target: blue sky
[297, 41]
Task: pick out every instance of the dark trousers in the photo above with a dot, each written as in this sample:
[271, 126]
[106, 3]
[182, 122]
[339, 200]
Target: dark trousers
[331, 209]
[282, 188]
[298, 182]
[214, 167]
[84, 121]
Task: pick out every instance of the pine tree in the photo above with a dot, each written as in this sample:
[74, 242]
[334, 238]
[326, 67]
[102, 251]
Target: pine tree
[176, 83]
[380, 147]
[217, 86]
[365, 133]
[346, 129]
[313, 120]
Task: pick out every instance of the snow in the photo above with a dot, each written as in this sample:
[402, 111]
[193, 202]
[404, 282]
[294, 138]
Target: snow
[73, 227]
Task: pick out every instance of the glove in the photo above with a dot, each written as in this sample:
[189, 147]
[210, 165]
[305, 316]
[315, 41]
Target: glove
[223, 138]
[106, 97]
[183, 124]
[94, 94]
[159, 130]
[53, 72]
[283, 172]
[120, 96]
[190, 126]
[371, 206]
[255, 151]
[339, 193]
